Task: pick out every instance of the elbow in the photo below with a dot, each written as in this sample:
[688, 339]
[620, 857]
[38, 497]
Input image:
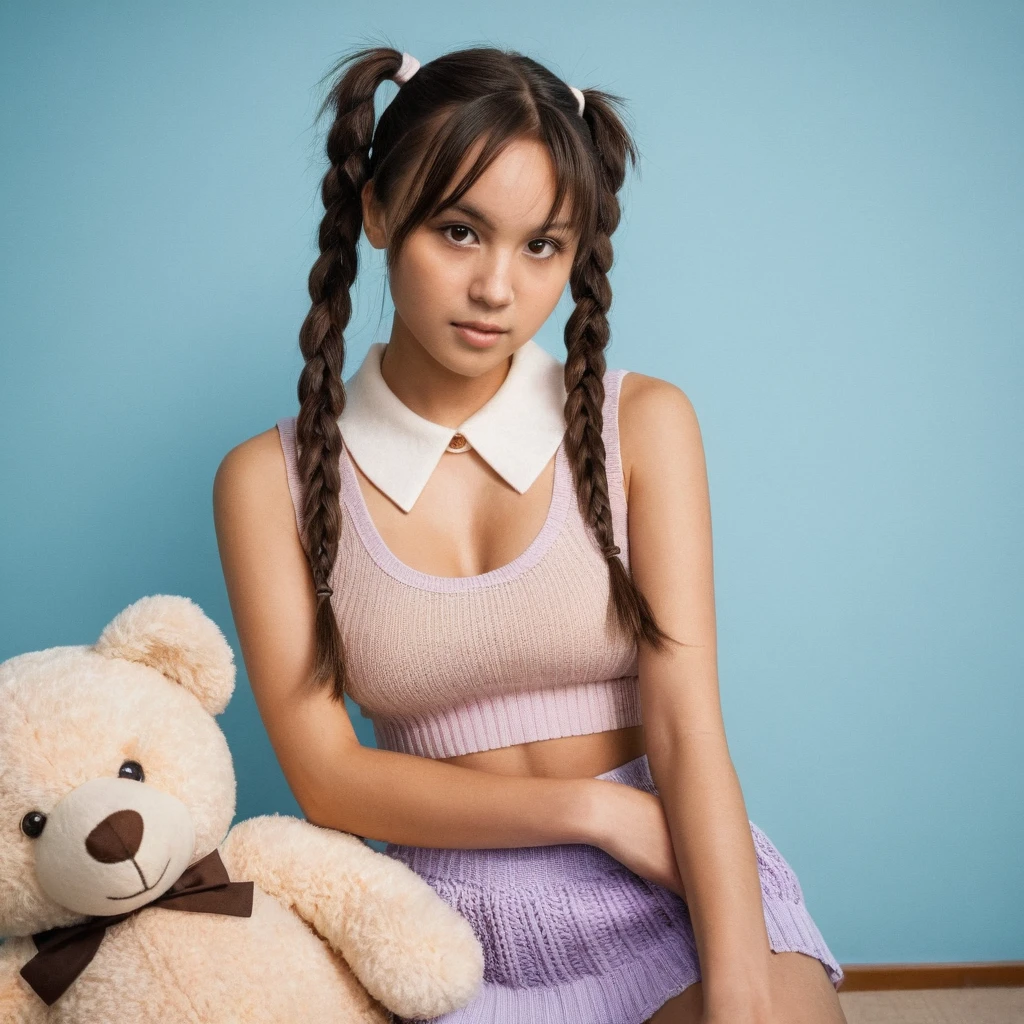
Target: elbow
[324, 816]
[313, 801]
[325, 800]
[312, 813]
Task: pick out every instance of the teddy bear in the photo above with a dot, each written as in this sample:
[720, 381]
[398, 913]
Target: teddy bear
[124, 896]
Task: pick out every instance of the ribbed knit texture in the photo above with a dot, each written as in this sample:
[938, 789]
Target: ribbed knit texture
[529, 651]
[571, 936]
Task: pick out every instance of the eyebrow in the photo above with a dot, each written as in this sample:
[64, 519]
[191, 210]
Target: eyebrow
[472, 211]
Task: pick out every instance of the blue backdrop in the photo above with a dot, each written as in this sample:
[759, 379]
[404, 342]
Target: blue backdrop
[823, 250]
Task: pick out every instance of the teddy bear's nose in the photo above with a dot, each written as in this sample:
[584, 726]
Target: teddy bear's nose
[116, 838]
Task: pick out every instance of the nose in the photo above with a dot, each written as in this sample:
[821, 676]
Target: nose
[492, 281]
[116, 838]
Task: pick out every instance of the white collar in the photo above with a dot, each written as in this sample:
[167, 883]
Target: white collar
[516, 431]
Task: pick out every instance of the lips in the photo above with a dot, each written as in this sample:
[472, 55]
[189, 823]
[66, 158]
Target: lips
[477, 337]
[480, 325]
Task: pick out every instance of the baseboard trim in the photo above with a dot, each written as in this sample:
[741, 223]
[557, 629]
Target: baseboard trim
[889, 977]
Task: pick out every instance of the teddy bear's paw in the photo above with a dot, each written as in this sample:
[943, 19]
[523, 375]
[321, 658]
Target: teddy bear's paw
[412, 951]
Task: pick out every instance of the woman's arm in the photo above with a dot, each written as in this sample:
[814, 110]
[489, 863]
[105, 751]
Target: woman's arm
[671, 560]
[339, 783]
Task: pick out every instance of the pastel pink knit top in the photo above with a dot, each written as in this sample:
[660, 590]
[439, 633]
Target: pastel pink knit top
[532, 650]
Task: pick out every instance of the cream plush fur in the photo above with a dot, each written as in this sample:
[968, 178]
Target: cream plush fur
[339, 933]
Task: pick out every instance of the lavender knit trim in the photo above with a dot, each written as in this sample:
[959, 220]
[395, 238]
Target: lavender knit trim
[510, 718]
[562, 498]
[355, 503]
[613, 461]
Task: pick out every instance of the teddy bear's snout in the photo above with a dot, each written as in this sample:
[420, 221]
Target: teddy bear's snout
[116, 838]
[112, 845]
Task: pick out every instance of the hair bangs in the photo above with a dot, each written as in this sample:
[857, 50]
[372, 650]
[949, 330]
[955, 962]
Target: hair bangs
[497, 119]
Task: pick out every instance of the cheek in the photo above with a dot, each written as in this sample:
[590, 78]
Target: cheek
[555, 284]
[539, 293]
[423, 283]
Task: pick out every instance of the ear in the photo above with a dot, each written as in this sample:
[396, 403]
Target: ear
[172, 635]
[374, 223]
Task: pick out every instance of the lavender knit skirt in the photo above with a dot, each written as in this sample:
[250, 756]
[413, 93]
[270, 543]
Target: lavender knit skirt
[571, 936]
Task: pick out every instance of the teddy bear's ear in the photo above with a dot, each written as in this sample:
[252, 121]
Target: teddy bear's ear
[172, 635]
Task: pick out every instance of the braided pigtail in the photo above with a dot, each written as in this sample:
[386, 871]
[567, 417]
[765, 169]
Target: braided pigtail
[586, 336]
[321, 391]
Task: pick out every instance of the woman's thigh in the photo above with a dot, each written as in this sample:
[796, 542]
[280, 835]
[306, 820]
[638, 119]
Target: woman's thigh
[802, 993]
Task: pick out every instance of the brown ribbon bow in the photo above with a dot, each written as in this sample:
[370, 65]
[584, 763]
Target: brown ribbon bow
[64, 952]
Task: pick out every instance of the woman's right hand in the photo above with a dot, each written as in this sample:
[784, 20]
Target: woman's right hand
[630, 825]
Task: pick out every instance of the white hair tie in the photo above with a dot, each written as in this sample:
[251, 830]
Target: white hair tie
[410, 65]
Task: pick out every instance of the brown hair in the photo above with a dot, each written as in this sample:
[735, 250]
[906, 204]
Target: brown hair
[424, 133]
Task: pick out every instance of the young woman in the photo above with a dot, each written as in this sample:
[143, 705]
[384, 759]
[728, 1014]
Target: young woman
[505, 561]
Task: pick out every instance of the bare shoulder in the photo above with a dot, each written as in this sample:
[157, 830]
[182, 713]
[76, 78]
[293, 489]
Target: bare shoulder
[253, 474]
[657, 422]
[253, 511]
[261, 457]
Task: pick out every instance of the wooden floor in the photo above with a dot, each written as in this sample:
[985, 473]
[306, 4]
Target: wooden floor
[935, 1006]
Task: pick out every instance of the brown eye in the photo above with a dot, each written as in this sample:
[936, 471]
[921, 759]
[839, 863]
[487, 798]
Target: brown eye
[555, 247]
[131, 770]
[33, 824]
[457, 240]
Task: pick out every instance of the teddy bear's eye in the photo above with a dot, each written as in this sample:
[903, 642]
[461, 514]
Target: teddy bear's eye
[131, 770]
[33, 824]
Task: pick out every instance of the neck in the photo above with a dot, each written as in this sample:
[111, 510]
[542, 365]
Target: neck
[440, 392]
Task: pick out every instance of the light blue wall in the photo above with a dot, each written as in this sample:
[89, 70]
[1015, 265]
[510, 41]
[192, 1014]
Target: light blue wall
[823, 250]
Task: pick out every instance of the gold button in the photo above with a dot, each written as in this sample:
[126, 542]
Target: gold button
[457, 442]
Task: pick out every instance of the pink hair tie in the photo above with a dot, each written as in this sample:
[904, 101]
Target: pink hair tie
[580, 98]
[410, 65]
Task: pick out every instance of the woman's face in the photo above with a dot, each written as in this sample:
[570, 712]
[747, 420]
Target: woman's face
[482, 260]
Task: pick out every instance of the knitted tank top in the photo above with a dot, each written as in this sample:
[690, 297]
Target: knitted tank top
[531, 650]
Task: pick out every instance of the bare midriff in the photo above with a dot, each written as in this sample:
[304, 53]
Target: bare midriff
[566, 757]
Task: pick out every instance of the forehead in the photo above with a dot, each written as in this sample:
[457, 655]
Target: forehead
[516, 189]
